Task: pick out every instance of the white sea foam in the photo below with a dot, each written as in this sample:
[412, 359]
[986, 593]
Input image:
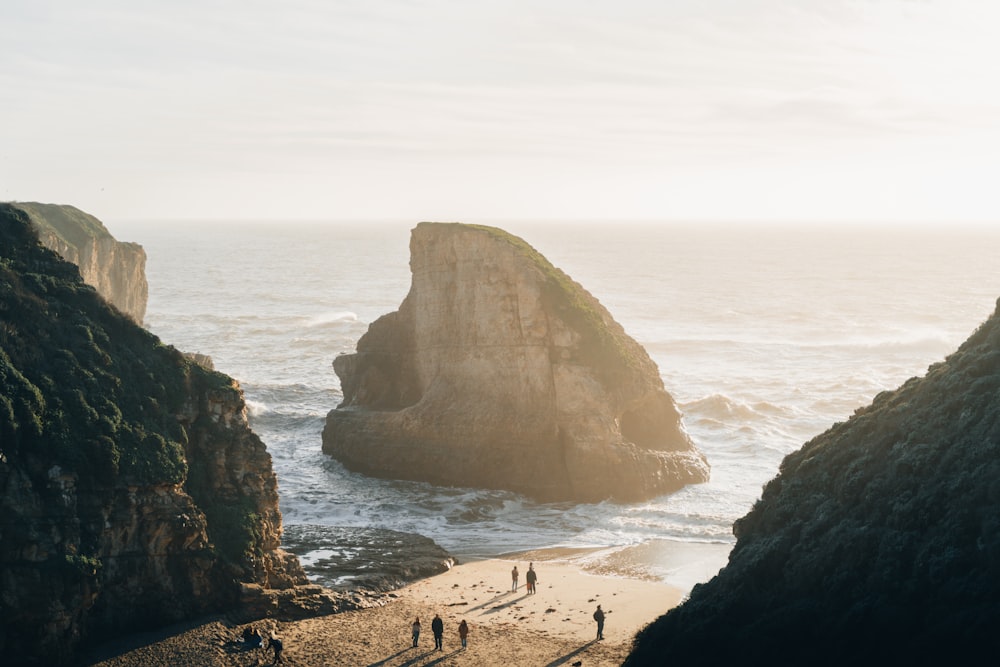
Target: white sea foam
[256, 408]
[327, 318]
[764, 342]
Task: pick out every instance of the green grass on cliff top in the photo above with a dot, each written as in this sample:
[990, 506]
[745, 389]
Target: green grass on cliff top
[67, 222]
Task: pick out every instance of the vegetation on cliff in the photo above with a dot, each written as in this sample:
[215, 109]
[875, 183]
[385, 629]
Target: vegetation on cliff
[101, 423]
[82, 386]
[878, 543]
[69, 223]
[115, 268]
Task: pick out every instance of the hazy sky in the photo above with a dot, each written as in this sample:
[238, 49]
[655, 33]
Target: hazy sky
[882, 110]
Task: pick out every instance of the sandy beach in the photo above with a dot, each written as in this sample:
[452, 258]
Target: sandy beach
[553, 626]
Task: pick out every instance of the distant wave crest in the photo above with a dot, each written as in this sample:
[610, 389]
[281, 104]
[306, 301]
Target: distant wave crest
[722, 408]
[330, 318]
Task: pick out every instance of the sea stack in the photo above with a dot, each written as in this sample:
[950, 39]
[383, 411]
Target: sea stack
[499, 371]
[878, 543]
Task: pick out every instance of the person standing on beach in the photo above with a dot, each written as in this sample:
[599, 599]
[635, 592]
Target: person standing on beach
[416, 631]
[463, 632]
[599, 617]
[437, 627]
[513, 577]
[531, 578]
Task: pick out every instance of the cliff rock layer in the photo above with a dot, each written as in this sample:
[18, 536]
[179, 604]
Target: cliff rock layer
[499, 371]
[878, 543]
[116, 269]
[132, 491]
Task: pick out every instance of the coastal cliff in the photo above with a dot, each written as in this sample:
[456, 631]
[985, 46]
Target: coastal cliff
[132, 491]
[499, 371]
[116, 269]
[878, 542]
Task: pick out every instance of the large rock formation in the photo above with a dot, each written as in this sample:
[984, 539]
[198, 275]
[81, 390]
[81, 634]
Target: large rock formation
[878, 543]
[499, 371]
[116, 269]
[132, 491]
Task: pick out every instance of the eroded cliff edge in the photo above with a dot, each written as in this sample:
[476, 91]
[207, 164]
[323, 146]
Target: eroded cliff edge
[878, 543]
[132, 491]
[499, 371]
[116, 269]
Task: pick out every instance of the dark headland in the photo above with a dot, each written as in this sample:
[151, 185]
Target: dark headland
[877, 544]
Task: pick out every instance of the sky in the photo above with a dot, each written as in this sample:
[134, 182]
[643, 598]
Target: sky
[805, 111]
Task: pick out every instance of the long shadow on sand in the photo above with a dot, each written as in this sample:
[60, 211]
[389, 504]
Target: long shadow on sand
[441, 659]
[385, 661]
[491, 601]
[569, 656]
[494, 609]
[416, 660]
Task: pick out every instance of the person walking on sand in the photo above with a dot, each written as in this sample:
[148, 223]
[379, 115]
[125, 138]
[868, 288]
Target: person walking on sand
[463, 633]
[416, 631]
[275, 644]
[531, 578]
[513, 579]
[437, 627]
[599, 617]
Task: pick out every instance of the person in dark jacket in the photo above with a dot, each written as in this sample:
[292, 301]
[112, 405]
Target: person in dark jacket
[599, 617]
[437, 627]
[531, 577]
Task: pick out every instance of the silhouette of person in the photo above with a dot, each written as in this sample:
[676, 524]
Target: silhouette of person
[513, 578]
[437, 627]
[275, 644]
[531, 578]
[252, 638]
[463, 632]
[599, 617]
[416, 631]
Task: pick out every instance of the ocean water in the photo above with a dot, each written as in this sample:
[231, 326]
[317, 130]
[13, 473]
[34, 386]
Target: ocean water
[765, 337]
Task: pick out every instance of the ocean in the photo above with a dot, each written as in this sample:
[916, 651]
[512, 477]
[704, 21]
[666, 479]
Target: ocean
[765, 336]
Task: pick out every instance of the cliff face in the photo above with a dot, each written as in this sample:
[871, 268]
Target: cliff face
[878, 543]
[117, 270]
[132, 491]
[498, 371]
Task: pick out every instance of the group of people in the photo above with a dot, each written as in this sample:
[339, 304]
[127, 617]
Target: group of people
[437, 629]
[253, 639]
[531, 578]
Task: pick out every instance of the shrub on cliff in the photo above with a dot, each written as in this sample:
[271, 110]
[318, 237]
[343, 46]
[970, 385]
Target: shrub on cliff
[878, 542]
[81, 386]
[132, 491]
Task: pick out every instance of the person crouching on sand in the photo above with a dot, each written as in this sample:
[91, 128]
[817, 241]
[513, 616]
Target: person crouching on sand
[463, 632]
[416, 631]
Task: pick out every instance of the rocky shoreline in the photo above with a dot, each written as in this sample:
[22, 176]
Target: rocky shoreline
[365, 559]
